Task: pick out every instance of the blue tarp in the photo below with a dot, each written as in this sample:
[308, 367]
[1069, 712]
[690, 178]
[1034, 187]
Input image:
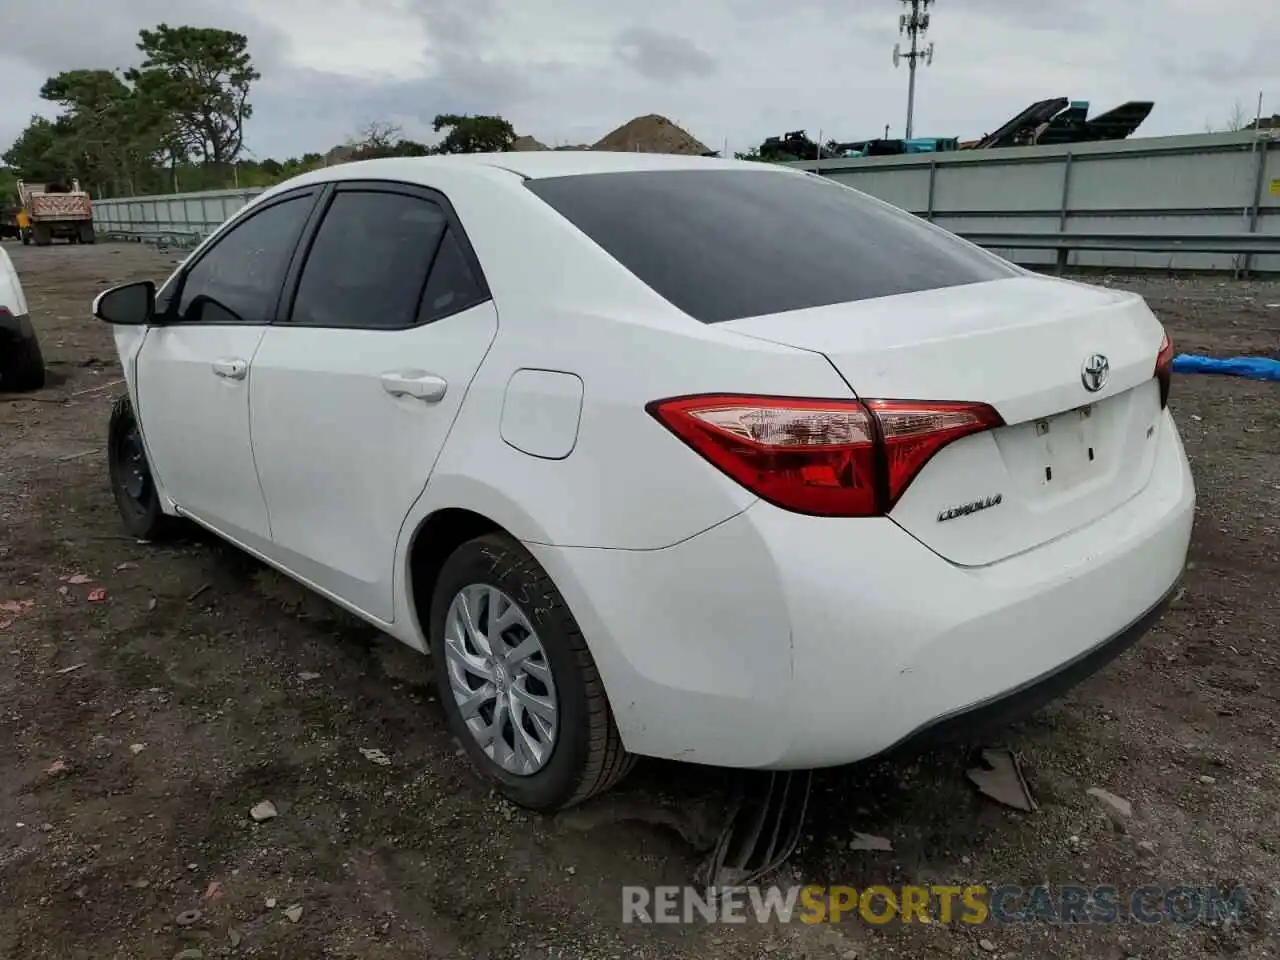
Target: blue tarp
[1254, 368]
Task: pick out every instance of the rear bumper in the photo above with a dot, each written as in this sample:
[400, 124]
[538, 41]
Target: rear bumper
[775, 640]
[1022, 701]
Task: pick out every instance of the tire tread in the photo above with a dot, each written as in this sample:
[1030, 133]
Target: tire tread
[24, 368]
[159, 526]
[607, 761]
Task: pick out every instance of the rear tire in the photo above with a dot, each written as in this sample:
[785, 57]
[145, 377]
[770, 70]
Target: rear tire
[132, 485]
[22, 365]
[42, 235]
[586, 756]
[86, 234]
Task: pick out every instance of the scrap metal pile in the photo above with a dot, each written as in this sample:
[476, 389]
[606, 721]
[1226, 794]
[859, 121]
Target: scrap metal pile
[1065, 121]
[1058, 120]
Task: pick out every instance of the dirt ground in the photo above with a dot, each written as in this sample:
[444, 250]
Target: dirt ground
[138, 731]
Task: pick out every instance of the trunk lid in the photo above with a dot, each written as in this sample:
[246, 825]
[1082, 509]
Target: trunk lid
[1065, 457]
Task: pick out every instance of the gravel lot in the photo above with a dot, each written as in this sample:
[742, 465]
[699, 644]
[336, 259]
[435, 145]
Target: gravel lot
[139, 731]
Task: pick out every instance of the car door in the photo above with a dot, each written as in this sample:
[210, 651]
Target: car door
[193, 370]
[354, 392]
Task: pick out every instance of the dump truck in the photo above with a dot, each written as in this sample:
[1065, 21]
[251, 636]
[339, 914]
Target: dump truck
[53, 211]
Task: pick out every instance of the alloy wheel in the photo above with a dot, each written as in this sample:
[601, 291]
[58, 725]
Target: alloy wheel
[501, 680]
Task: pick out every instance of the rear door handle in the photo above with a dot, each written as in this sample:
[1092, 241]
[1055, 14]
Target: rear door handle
[421, 386]
[230, 368]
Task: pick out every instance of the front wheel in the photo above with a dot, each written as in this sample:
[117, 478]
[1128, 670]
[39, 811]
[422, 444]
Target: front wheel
[131, 482]
[516, 678]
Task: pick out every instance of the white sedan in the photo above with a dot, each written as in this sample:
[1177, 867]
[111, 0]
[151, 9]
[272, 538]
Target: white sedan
[21, 362]
[662, 456]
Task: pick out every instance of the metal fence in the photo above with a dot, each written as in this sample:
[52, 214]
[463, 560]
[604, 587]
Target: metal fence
[1208, 202]
[1196, 202]
[181, 219]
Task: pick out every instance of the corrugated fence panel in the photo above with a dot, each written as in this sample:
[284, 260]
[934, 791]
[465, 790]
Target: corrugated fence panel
[1154, 182]
[1005, 187]
[176, 218]
[907, 188]
[1165, 187]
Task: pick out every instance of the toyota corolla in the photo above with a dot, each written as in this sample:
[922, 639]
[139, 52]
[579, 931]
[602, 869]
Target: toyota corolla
[662, 456]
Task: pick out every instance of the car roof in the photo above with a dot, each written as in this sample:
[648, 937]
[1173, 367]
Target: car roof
[531, 164]
[537, 164]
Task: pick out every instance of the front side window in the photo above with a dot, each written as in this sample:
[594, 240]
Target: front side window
[239, 278]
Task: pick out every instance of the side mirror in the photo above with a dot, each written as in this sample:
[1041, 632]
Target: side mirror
[130, 304]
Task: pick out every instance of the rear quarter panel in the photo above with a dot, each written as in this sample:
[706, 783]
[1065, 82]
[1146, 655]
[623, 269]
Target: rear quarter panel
[564, 305]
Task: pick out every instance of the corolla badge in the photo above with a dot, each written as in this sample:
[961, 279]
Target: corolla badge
[964, 509]
[1094, 371]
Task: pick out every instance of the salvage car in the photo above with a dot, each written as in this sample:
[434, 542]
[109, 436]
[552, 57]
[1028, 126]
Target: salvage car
[662, 456]
[21, 361]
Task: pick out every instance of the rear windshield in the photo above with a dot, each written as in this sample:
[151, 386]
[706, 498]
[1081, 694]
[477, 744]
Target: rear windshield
[724, 244]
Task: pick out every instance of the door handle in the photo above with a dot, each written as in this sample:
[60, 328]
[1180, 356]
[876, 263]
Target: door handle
[231, 369]
[421, 386]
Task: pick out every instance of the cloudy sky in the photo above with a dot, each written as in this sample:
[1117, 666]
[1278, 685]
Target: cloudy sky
[568, 71]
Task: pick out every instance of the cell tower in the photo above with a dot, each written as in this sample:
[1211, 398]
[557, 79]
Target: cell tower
[913, 23]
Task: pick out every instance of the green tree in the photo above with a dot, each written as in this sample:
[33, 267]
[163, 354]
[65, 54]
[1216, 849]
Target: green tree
[177, 123]
[473, 134]
[379, 138]
[108, 132]
[199, 78]
[8, 188]
[39, 153]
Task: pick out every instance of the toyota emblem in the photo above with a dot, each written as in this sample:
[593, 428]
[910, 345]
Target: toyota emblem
[1093, 374]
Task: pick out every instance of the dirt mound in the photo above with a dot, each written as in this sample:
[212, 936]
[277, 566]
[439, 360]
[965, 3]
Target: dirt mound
[527, 143]
[343, 153]
[651, 134]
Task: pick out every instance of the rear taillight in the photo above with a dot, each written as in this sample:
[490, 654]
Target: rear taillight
[1164, 368]
[831, 458]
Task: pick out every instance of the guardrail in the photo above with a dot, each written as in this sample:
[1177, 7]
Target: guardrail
[1229, 243]
[181, 239]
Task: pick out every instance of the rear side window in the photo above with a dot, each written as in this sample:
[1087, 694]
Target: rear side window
[452, 285]
[726, 244]
[368, 264]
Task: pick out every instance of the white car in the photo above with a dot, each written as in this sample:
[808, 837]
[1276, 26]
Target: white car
[21, 362]
[663, 456]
